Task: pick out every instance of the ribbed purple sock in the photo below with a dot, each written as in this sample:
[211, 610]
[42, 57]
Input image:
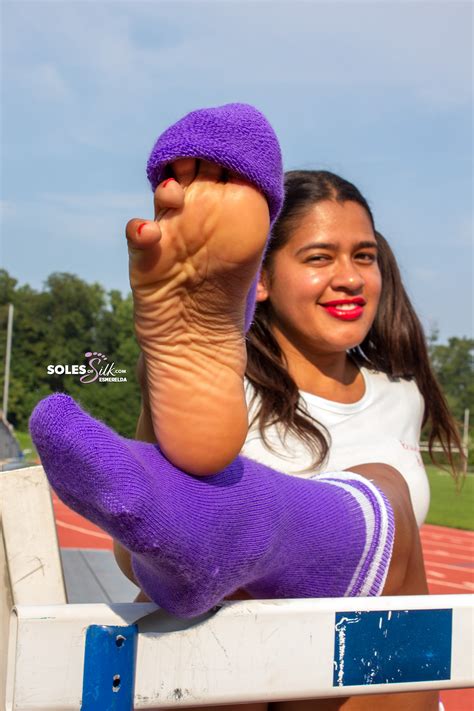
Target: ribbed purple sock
[196, 540]
[235, 136]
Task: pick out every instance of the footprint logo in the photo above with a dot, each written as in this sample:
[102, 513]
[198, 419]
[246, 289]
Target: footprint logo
[96, 363]
[101, 356]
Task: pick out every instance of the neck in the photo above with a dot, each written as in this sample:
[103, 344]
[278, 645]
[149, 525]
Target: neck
[331, 375]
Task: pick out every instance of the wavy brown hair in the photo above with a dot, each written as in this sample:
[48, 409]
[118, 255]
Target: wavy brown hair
[395, 344]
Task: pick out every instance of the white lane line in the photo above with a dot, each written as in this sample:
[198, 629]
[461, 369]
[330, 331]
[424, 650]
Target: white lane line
[435, 574]
[448, 533]
[445, 554]
[441, 542]
[71, 527]
[460, 568]
[449, 536]
[458, 541]
[466, 587]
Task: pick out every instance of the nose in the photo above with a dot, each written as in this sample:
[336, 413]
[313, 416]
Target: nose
[347, 277]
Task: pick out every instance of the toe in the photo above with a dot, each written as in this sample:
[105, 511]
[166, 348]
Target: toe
[185, 170]
[237, 179]
[169, 195]
[49, 418]
[142, 234]
[210, 171]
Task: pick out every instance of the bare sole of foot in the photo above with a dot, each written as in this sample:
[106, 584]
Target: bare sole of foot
[190, 272]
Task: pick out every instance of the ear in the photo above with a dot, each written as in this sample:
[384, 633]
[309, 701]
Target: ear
[262, 289]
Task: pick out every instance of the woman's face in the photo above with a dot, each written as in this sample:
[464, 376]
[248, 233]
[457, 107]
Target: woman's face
[325, 283]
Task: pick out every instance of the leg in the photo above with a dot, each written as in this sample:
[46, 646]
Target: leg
[280, 536]
[192, 273]
[145, 433]
[195, 540]
[406, 576]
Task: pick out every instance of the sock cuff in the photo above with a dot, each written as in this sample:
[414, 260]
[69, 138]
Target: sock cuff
[236, 136]
[371, 572]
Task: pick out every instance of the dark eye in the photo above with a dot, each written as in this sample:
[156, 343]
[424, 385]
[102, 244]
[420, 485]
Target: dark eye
[369, 257]
[319, 258]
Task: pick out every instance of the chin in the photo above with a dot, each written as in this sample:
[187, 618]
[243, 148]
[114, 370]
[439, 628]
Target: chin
[344, 347]
[344, 344]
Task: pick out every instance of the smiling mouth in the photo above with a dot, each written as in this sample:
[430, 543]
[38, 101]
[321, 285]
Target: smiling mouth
[345, 309]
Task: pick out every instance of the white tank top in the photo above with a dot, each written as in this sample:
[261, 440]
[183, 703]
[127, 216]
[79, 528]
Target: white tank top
[384, 426]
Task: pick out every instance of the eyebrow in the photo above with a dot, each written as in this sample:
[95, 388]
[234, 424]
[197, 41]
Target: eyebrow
[365, 244]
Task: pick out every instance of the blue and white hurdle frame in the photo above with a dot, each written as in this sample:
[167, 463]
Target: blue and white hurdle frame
[135, 656]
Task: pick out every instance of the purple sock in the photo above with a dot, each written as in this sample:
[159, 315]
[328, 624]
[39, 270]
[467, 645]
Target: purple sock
[195, 540]
[236, 136]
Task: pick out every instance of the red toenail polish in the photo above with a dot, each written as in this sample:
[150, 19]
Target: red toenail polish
[140, 227]
[166, 182]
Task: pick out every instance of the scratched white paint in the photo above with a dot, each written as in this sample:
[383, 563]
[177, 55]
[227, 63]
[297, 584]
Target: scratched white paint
[259, 642]
[30, 564]
[30, 539]
[242, 654]
[341, 627]
[341, 654]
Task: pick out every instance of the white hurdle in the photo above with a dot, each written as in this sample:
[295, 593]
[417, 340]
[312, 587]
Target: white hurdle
[63, 657]
[134, 656]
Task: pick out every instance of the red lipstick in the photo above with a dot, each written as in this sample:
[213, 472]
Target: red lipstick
[345, 309]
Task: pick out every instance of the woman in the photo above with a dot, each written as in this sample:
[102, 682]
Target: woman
[195, 539]
[336, 354]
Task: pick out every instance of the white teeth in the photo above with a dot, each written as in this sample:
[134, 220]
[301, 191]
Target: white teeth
[347, 307]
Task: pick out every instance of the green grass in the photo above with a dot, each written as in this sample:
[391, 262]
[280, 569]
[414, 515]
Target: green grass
[24, 440]
[450, 507]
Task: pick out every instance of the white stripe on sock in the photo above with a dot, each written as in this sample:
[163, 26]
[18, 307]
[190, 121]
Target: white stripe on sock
[343, 481]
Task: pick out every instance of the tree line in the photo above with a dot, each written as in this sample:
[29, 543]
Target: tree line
[69, 317]
[57, 326]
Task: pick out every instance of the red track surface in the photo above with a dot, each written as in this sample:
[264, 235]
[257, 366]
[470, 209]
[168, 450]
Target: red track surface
[448, 553]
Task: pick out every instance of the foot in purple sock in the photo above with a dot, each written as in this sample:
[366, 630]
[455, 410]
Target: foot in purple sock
[218, 185]
[195, 540]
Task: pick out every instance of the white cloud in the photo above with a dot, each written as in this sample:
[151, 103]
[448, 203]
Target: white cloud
[88, 84]
[45, 81]
[82, 234]
[118, 69]
[89, 202]
[92, 219]
[152, 47]
[8, 209]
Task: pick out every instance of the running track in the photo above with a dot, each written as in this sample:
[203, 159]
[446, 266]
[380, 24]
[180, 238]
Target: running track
[448, 553]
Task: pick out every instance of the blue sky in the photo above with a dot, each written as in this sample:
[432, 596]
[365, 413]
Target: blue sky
[379, 92]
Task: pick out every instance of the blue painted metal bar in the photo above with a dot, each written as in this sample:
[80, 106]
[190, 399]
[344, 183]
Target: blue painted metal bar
[109, 668]
[391, 647]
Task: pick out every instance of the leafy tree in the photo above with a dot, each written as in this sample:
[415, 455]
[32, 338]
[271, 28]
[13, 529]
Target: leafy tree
[57, 326]
[453, 365]
[69, 317]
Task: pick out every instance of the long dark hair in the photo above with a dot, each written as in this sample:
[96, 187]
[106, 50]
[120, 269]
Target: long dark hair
[395, 344]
